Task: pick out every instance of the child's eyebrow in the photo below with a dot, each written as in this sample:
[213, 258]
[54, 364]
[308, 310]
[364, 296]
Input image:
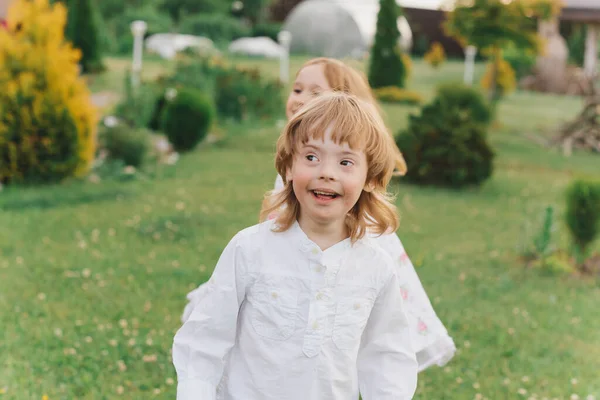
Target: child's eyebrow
[349, 153]
[310, 147]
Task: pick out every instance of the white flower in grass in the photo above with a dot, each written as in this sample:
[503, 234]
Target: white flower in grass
[170, 93]
[172, 158]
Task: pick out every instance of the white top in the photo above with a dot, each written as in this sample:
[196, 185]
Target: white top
[429, 336]
[281, 319]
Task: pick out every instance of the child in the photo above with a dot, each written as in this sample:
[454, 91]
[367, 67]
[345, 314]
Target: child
[430, 339]
[307, 306]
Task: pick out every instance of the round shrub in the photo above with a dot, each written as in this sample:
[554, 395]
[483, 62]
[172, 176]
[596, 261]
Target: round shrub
[583, 213]
[47, 119]
[446, 145]
[466, 99]
[126, 144]
[393, 94]
[187, 118]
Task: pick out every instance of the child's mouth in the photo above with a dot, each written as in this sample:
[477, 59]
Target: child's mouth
[324, 195]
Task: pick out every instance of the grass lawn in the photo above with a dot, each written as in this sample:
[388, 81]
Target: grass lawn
[93, 275]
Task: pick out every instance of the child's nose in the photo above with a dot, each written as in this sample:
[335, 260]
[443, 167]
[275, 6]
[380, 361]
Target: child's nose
[328, 171]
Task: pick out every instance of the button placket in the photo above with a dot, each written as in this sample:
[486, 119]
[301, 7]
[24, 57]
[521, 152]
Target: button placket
[317, 311]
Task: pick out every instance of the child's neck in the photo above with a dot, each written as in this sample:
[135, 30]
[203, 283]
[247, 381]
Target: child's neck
[324, 235]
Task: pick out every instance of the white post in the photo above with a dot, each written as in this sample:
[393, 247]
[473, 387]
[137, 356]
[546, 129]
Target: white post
[470, 53]
[591, 51]
[284, 38]
[138, 29]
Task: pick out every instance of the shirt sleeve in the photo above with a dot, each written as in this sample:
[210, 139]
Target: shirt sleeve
[202, 343]
[387, 365]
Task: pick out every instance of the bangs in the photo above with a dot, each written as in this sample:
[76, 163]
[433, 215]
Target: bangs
[348, 121]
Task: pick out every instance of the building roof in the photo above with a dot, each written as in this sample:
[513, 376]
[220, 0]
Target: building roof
[586, 11]
[584, 4]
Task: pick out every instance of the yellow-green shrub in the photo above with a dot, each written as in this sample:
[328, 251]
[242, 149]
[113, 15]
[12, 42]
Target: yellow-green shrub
[47, 120]
[394, 94]
[436, 55]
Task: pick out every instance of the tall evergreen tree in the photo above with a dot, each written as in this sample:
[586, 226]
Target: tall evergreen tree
[82, 31]
[386, 66]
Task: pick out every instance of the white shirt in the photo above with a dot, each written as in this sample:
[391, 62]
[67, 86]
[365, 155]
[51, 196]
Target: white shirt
[429, 336]
[282, 320]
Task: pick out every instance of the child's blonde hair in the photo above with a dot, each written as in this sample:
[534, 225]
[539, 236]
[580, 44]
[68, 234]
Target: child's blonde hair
[357, 123]
[343, 78]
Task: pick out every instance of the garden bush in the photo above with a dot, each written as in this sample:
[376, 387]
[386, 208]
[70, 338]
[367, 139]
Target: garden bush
[468, 100]
[268, 29]
[139, 106]
[123, 143]
[238, 93]
[187, 118]
[47, 120]
[386, 66]
[436, 55]
[178, 9]
[120, 27]
[447, 144]
[220, 28]
[583, 213]
[82, 31]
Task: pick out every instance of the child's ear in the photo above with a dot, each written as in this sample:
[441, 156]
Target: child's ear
[288, 175]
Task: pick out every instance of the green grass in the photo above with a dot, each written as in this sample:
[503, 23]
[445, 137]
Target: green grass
[93, 276]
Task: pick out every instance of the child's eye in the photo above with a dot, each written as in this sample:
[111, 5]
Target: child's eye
[315, 94]
[311, 157]
[346, 163]
[297, 91]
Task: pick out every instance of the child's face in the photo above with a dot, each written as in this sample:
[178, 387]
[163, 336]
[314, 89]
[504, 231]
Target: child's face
[310, 82]
[328, 179]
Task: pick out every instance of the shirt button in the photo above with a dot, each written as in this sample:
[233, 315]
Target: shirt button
[315, 325]
[356, 306]
[274, 295]
[319, 296]
[315, 250]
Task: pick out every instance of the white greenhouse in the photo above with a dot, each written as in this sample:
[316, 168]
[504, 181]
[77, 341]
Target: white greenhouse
[338, 28]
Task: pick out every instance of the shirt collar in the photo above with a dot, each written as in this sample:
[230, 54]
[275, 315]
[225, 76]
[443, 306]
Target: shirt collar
[332, 256]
